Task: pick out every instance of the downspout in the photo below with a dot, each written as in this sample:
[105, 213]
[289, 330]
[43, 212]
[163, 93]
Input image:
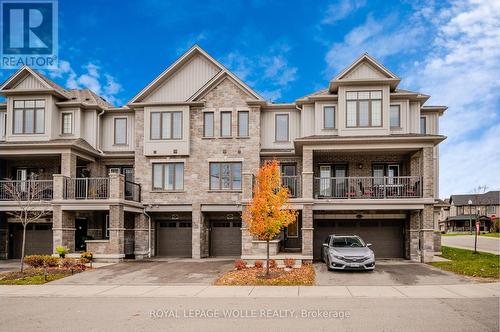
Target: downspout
[99, 132]
[149, 232]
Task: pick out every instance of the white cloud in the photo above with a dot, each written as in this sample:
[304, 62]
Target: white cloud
[341, 9]
[271, 69]
[462, 72]
[104, 85]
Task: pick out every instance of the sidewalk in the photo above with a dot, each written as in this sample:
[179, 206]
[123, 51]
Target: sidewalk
[476, 290]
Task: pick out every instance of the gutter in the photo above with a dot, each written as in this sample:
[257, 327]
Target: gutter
[149, 232]
[99, 132]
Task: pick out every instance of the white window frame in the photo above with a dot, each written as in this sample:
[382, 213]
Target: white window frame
[399, 116]
[220, 163]
[222, 113]
[164, 165]
[333, 117]
[240, 112]
[35, 116]
[171, 126]
[287, 127]
[63, 114]
[370, 100]
[212, 113]
[115, 119]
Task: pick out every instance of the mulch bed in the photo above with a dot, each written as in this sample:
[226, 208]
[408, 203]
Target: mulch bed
[252, 276]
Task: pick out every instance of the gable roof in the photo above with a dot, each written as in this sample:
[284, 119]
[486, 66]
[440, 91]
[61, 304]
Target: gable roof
[167, 73]
[23, 72]
[342, 77]
[488, 198]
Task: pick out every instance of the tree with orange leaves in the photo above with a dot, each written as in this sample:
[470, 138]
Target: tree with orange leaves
[269, 211]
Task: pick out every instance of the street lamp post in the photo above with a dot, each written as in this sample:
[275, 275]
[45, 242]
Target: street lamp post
[470, 216]
[476, 231]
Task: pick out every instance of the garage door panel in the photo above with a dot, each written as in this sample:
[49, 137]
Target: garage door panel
[386, 236]
[174, 239]
[225, 239]
[38, 240]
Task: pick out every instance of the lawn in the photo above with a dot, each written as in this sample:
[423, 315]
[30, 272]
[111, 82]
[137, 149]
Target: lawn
[32, 277]
[491, 235]
[303, 276]
[467, 263]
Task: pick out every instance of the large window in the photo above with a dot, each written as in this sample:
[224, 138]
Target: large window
[225, 176]
[491, 209]
[423, 125]
[281, 128]
[395, 115]
[364, 108]
[225, 124]
[29, 116]
[208, 124]
[166, 125]
[168, 176]
[329, 117]
[120, 130]
[243, 123]
[67, 123]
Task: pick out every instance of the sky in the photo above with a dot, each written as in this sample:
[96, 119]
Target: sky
[287, 49]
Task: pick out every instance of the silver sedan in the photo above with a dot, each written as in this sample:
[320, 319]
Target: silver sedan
[342, 252]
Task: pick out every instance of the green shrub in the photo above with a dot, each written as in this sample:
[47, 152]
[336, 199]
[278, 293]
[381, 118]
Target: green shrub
[87, 255]
[62, 251]
[34, 260]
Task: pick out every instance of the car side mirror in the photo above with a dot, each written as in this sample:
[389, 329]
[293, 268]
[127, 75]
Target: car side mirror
[368, 244]
[325, 245]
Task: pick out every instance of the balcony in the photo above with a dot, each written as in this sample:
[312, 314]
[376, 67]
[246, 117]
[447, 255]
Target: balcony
[26, 190]
[293, 183]
[86, 188]
[368, 187]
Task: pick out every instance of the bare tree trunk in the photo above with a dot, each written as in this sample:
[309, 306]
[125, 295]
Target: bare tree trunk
[267, 264]
[22, 249]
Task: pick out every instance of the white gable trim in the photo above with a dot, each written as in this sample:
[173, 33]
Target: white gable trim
[374, 63]
[17, 77]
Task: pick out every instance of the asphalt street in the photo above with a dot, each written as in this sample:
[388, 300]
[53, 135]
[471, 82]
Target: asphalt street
[484, 243]
[248, 314]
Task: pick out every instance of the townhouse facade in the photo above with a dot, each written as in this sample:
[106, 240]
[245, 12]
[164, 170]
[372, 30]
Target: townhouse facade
[462, 211]
[170, 173]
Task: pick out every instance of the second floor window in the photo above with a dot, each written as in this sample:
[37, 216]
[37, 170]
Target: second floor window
[243, 123]
[168, 176]
[281, 130]
[329, 117]
[3, 124]
[225, 176]
[120, 130]
[166, 125]
[491, 209]
[67, 123]
[364, 108]
[29, 117]
[208, 124]
[395, 116]
[225, 124]
[423, 125]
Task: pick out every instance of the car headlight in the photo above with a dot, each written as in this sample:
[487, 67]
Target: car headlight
[338, 257]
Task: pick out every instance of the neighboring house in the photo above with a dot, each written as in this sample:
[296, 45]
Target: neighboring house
[170, 173]
[464, 210]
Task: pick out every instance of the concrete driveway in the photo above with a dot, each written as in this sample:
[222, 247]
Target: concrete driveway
[388, 273]
[165, 272]
[484, 243]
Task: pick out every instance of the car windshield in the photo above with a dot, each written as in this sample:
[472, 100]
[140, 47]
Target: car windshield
[347, 241]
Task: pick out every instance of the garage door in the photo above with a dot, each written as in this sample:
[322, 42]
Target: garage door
[225, 238]
[174, 238]
[38, 239]
[386, 236]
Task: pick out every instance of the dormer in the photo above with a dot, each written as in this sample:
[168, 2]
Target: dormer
[364, 71]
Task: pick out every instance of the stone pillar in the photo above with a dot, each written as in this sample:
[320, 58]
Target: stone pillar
[307, 173]
[4, 236]
[414, 236]
[116, 186]
[246, 237]
[196, 231]
[63, 228]
[116, 248]
[307, 230]
[428, 172]
[141, 236]
[427, 234]
[58, 187]
[247, 188]
[68, 164]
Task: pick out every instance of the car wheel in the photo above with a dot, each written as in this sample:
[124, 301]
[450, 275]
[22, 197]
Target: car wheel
[328, 265]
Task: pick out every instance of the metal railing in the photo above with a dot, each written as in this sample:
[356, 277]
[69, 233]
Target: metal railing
[86, 188]
[368, 187]
[26, 190]
[293, 183]
[132, 191]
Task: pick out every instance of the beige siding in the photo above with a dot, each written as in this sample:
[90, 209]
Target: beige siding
[319, 126]
[166, 147]
[404, 107]
[415, 117]
[268, 128]
[30, 82]
[89, 127]
[108, 132]
[364, 71]
[307, 120]
[185, 82]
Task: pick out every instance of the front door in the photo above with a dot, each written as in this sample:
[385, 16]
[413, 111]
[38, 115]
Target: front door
[325, 181]
[293, 238]
[340, 174]
[80, 234]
